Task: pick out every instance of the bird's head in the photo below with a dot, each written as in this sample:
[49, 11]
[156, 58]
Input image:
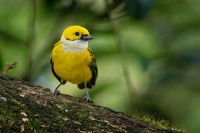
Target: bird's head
[75, 38]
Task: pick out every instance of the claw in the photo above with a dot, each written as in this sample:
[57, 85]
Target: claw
[87, 99]
[55, 92]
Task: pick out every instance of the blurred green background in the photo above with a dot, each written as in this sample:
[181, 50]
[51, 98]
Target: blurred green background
[147, 51]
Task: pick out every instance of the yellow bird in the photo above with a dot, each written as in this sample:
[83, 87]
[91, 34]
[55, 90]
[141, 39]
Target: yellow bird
[73, 61]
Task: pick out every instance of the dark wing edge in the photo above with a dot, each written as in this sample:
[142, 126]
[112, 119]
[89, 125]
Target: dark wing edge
[94, 69]
[52, 69]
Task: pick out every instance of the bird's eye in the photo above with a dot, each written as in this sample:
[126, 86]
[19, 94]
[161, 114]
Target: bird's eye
[77, 33]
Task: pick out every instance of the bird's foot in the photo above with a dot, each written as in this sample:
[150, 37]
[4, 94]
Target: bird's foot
[55, 92]
[87, 99]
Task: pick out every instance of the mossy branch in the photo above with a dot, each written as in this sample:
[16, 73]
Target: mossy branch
[25, 107]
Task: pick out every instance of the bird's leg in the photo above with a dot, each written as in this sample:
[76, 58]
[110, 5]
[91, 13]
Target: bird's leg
[87, 97]
[56, 91]
[87, 93]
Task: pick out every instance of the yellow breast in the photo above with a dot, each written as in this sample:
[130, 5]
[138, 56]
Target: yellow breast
[71, 66]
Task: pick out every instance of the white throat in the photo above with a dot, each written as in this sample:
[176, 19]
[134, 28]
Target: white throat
[73, 46]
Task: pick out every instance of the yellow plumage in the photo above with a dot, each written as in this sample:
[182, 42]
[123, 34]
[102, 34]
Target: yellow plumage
[71, 66]
[73, 61]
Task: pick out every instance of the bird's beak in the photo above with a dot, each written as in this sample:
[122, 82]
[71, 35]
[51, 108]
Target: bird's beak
[87, 37]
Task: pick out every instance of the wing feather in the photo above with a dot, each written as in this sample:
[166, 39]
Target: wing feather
[52, 67]
[94, 69]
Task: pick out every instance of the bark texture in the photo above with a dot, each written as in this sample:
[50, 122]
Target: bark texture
[25, 107]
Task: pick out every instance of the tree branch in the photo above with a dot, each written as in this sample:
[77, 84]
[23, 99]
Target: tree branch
[25, 107]
[9, 66]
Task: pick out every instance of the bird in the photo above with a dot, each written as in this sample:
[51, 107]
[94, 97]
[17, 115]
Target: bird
[73, 61]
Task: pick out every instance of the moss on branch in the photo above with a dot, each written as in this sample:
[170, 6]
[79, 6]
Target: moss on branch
[25, 107]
